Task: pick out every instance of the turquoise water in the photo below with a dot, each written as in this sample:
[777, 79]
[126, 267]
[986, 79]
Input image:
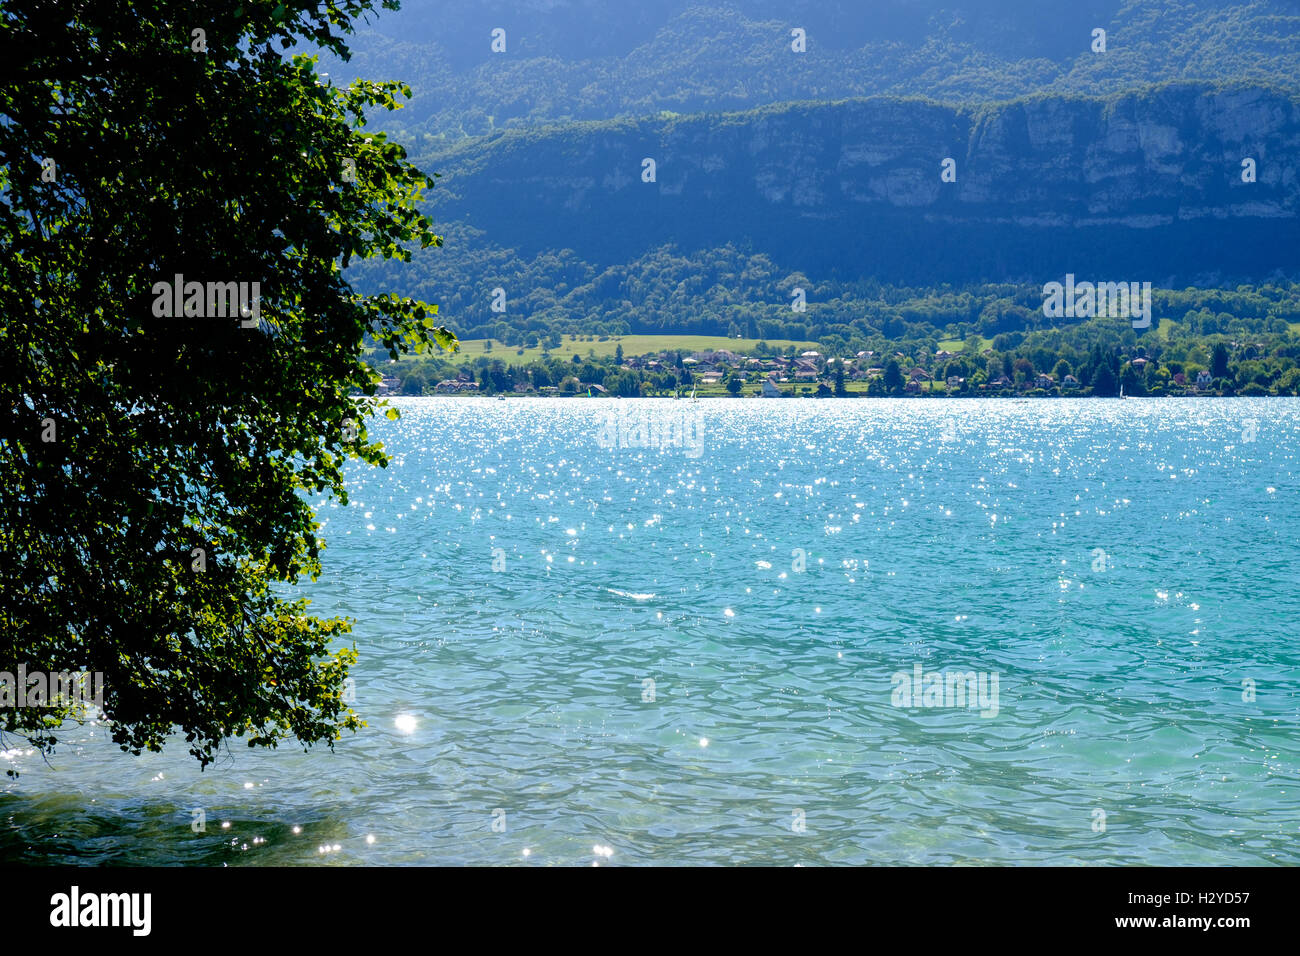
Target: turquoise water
[524, 568]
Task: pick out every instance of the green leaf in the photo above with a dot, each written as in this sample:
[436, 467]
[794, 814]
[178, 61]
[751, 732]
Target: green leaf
[250, 414]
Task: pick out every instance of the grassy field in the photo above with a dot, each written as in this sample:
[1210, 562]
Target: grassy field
[632, 345]
[956, 345]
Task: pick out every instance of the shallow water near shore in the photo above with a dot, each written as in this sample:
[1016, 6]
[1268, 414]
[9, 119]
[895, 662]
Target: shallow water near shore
[580, 650]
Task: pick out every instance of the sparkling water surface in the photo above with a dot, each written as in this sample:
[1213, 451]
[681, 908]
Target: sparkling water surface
[573, 651]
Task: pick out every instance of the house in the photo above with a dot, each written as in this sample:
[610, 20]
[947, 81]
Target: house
[451, 386]
[388, 384]
[918, 373]
[1203, 378]
[913, 387]
[1070, 382]
[956, 382]
[711, 378]
[1045, 381]
[770, 390]
[1001, 382]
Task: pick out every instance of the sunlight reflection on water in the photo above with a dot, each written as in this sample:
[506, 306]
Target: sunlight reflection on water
[1124, 567]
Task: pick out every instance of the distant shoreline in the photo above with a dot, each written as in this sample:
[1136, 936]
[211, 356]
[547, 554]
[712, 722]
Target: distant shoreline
[822, 398]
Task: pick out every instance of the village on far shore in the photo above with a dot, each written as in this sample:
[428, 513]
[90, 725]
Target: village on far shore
[808, 373]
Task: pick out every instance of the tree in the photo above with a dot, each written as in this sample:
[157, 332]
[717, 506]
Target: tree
[1103, 382]
[414, 383]
[1128, 377]
[893, 378]
[154, 470]
[1288, 383]
[1219, 361]
[840, 390]
[735, 384]
[618, 355]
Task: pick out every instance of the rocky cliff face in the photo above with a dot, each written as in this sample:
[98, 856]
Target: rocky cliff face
[1150, 183]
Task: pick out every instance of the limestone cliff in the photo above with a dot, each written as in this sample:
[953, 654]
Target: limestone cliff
[1149, 184]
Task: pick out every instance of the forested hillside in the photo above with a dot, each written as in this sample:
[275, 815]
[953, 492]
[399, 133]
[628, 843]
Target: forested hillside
[599, 59]
[747, 207]
[680, 168]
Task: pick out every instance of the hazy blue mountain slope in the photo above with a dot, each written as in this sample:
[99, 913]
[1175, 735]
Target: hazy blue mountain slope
[821, 170]
[1147, 182]
[597, 59]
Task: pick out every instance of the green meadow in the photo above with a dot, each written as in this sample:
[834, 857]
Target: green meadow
[632, 345]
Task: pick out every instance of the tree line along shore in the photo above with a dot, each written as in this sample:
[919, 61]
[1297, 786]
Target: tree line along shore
[1203, 368]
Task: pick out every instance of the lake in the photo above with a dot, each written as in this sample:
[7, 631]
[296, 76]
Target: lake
[770, 632]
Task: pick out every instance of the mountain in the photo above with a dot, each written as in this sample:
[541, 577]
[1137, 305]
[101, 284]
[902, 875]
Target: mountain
[1138, 182]
[1141, 186]
[567, 60]
[776, 170]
